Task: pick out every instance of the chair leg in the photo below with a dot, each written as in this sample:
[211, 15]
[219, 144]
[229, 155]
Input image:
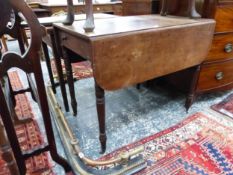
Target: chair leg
[164, 8]
[57, 57]
[70, 81]
[192, 9]
[100, 106]
[48, 64]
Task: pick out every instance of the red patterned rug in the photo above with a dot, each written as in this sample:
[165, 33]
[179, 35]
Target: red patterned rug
[199, 145]
[28, 134]
[81, 69]
[225, 107]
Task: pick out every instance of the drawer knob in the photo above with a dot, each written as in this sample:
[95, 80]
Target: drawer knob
[219, 75]
[228, 48]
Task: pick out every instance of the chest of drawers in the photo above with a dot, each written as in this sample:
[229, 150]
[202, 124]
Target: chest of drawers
[215, 73]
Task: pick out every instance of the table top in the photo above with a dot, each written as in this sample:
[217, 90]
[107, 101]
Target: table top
[111, 26]
[62, 4]
[129, 50]
[48, 21]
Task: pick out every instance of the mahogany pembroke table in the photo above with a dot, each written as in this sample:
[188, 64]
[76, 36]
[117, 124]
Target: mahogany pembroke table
[128, 50]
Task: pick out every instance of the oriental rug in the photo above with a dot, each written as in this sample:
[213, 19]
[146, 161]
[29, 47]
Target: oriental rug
[81, 69]
[225, 107]
[199, 145]
[29, 134]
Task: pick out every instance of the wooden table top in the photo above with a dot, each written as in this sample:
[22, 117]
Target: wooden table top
[129, 50]
[111, 26]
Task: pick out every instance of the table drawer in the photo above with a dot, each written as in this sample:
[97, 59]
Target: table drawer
[224, 18]
[78, 45]
[215, 75]
[222, 47]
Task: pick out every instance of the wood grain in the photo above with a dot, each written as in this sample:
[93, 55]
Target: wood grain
[217, 51]
[224, 19]
[208, 80]
[133, 58]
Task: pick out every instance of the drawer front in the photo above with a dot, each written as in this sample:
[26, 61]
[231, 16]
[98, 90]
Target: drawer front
[224, 18]
[215, 75]
[222, 47]
[76, 44]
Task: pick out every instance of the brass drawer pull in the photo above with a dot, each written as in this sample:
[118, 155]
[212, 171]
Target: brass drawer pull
[219, 75]
[228, 48]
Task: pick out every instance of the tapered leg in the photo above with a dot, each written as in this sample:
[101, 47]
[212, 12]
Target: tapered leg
[70, 81]
[48, 64]
[100, 105]
[57, 57]
[193, 12]
[192, 92]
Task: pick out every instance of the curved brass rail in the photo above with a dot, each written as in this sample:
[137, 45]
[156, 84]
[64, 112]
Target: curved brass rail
[122, 158]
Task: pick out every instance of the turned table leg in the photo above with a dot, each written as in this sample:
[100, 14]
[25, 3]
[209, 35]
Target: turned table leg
[100, 105]
[70, 81]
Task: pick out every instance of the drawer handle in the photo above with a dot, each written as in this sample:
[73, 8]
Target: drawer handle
[219, 75]
[228, 48]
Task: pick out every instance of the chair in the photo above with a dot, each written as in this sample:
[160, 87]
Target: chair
[29, 62]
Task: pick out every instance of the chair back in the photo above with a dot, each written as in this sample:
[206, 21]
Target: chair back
[28, 62]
